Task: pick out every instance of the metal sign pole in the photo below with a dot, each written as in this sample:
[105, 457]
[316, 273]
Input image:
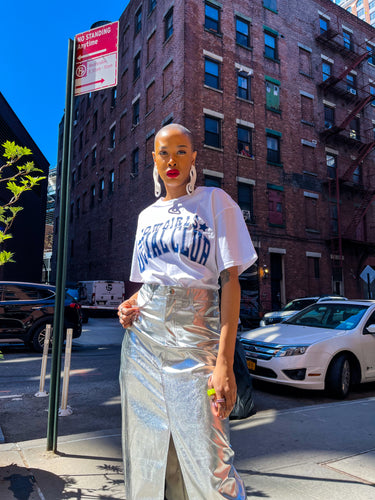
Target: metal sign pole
[62, 250]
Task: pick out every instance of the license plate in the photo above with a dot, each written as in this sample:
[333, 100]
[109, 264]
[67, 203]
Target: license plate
[251, 364]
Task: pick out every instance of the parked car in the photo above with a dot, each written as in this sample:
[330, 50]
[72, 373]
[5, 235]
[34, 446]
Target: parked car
[100, 295]
[328, 345]
[26, 309]
[294, 306]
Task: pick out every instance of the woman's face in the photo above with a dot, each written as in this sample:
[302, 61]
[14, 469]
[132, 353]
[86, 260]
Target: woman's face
[173, 157]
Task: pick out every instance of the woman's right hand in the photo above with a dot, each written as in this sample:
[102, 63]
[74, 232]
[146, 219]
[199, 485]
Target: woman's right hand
[128, 312]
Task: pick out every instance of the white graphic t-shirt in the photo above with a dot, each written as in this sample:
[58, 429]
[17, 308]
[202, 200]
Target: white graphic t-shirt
[189, 240]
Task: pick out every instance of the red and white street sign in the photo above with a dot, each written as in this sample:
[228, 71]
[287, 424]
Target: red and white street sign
[96, 59]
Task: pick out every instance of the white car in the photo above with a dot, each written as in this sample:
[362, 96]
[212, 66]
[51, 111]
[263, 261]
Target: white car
[328, 345]
[294, 306]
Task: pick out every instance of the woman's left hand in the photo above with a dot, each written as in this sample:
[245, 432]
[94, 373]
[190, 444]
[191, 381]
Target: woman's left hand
[224, 383]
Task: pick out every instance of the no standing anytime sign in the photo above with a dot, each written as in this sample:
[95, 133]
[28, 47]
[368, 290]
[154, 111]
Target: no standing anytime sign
[96, 59]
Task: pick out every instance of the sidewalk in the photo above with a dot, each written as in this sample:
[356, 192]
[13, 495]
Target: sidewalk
[315, 452]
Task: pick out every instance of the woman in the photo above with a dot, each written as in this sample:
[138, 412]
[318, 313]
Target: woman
[178, 344]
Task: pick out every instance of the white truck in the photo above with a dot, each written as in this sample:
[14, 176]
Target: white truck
[104, 295]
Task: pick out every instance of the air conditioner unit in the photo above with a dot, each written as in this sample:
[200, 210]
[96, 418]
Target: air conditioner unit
[353, 91]
[246, 214]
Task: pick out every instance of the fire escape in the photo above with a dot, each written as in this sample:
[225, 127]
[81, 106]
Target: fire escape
[344, 86]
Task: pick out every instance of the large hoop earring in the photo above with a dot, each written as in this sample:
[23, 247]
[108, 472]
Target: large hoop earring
[193, 177]
[156, 182]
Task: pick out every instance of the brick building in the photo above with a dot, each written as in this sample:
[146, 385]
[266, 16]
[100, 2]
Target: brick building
[278, 96]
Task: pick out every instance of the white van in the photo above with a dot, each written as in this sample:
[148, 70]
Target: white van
[106, 295]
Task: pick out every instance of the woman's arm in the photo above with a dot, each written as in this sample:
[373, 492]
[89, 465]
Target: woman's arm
[128, 310]
[223, 379]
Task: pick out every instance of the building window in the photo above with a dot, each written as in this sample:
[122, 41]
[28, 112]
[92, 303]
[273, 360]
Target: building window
[244, 141]
[270, 4]
[351, 83]
[372, 16]
[212, 131]
[151, 47]
[92, 198]
[275, 207]
[136, 113]
[272, 96]
[150, 97]
[101, 189]
[372, 92]
[347, 39]
[270, 45]
[329, 116]
[212, 181]
[212, 17]
[307, 109]
[71, 212]
[80, 141]
[326, 70]
[243, 85]
[113, 97]
[110, 229]
[151, 5]
[138, 21]
[331, 162]
[168, 24]
[242, 32]
[273, 148]
[168, 79]
[112, 138]
[95, 122]
[371, 5]
[334, 218]
[323, 25]
[137, 66]
[357, 175]
[311, 214]
[371, 51]
[304, 62]
[78, 207]
[88, 240]
[245, 200]
[354, 129]
[313, 267]
[93, 157]
[212, 73]
[73, 181]
[111, 184]
[79, 173]
[135, 161]
[361, 13]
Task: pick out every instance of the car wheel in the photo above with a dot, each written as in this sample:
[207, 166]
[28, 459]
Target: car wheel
[339, 377]
[38, 338]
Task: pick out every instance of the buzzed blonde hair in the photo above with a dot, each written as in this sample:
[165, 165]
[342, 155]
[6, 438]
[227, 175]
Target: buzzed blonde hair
[181, 128]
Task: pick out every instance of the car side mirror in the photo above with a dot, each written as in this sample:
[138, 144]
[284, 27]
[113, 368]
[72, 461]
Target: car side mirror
[370, 329]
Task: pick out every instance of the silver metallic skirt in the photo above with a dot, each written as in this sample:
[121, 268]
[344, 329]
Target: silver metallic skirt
[174, 447]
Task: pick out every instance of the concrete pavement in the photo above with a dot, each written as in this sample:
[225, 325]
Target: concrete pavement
[315, 452]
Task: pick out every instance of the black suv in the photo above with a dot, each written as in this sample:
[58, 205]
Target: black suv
[26, 309]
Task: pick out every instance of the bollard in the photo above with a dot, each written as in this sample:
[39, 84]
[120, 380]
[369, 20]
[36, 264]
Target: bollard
[66, 410]
[42, 393]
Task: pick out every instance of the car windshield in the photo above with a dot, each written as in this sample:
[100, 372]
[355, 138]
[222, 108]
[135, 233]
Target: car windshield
[334, 316]
[298, 304]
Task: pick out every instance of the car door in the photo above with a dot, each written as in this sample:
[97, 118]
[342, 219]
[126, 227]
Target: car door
[368, 349]
[11, 311]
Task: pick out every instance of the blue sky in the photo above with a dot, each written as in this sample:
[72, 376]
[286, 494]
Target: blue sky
[34, 41]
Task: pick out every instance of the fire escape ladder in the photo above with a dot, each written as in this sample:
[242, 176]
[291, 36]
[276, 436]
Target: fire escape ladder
[332, 80]
[357, 109]
[363, 152]
[359, 213]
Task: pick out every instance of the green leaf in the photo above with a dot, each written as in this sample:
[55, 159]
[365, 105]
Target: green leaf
[6, 257]
[12, 151]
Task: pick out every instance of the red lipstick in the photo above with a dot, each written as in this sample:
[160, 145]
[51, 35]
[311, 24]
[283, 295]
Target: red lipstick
[173, 173]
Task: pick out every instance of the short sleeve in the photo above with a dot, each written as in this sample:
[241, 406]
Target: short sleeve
[135, 273]
[233, 244]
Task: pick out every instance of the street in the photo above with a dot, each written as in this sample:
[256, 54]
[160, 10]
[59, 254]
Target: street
[94, 389]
